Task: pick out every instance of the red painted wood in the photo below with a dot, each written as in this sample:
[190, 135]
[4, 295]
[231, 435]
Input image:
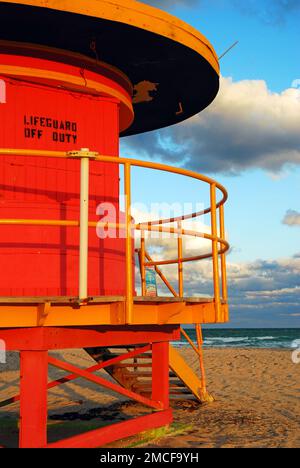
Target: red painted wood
[44, 261]
[103, 382]
[160, 373]
[33, 391]
[103, 436]
[33, 401]
[71, 377]
[87, 337]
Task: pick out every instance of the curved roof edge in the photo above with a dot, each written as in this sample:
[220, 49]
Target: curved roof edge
[138, 15]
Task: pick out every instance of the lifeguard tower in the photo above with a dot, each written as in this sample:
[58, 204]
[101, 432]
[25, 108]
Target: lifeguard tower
[75, 76]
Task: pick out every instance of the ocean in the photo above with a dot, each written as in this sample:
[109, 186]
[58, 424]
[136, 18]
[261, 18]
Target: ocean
[278, 338]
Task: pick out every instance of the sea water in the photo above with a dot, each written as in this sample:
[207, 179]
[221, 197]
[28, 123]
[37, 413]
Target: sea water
[265, 338]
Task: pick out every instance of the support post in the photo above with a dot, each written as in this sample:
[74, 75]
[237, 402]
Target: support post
[201, 358]
[129, 250]
[33, 399]
[84, 228]
[160, 374]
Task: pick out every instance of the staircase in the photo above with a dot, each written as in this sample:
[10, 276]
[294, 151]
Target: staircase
[136, 374]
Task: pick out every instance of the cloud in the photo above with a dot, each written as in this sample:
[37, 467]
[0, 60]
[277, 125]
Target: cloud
[247, 126]
[166, 244]
[261, 293]
[266, 293]
[292, 218]
[284, 292]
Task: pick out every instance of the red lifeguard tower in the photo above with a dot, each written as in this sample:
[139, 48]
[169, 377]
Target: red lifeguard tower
[75, 76]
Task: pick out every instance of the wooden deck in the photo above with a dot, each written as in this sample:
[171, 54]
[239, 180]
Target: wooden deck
[20, 312]
[103, 300]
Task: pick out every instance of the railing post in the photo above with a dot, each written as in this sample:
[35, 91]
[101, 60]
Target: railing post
[142, 264]
[84, 155]
[223, 257]
[215, 251]
[129, 251]
[180, 264]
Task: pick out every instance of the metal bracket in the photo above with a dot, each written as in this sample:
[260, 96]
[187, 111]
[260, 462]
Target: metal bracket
[83, 153]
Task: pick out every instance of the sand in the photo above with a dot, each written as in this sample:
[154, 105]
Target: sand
[257, 403]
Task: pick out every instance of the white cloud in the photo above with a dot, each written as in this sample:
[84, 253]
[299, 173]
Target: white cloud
[164, 245]
[271, 294]
[265, 293]
[260, 287]
[247, 126]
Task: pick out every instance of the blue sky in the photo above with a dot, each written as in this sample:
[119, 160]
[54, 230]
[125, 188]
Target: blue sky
[263, 176]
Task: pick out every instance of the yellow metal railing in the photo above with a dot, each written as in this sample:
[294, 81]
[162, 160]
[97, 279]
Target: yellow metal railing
[172, 226]
[199, 336]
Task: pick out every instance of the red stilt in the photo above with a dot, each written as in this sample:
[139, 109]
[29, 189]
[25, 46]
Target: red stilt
[160, 374]
[34, 344]
[33, 400]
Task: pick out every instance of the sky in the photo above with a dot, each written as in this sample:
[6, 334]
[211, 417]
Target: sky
[249, 140]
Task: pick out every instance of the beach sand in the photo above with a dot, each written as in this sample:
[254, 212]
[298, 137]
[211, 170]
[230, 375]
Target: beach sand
[257, 403]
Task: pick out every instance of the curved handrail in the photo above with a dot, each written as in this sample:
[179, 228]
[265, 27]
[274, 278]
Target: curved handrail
[122, 161]
[219, 244]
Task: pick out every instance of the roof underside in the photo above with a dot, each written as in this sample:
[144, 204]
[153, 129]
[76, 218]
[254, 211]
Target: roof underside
[172, 80]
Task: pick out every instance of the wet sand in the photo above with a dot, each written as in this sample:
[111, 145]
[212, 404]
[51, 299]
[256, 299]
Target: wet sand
[257, 403]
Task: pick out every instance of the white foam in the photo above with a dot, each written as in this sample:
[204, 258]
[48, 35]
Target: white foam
[230, 339]
[296, 344]
[265, 338]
